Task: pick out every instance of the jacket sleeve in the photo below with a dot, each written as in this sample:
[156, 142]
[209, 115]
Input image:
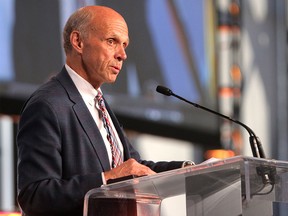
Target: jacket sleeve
[131, 152]
[159, 166]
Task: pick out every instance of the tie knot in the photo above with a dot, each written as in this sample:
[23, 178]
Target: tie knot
[100, 100]
[99, 95]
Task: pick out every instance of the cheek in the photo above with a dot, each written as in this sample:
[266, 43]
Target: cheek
[93, 60]
[97, 60]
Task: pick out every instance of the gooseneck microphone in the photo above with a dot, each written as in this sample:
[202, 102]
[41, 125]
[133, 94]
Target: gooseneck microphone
[267, 173]
[255, 143]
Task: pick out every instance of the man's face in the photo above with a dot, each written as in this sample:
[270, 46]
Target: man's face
[104, 51]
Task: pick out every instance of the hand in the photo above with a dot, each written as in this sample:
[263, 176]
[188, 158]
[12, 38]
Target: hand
[129, 167]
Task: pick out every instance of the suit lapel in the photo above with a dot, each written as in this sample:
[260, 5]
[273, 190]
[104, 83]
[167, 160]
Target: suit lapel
[119, 131]
[85, 119]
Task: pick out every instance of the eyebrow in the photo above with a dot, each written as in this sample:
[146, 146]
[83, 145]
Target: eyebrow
[118, 38]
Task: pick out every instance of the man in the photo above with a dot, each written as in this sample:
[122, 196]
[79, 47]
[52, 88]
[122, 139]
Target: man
[62, 146]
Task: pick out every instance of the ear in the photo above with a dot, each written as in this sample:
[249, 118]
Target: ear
[76, 41]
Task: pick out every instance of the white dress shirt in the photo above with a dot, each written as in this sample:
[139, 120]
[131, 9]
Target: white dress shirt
[88, 93]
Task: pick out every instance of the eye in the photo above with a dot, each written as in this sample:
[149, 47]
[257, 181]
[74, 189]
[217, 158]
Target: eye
[111, 41]
[125, 45]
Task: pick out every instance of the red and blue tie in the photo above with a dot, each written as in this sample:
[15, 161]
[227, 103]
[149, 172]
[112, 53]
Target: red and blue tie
[111, 137]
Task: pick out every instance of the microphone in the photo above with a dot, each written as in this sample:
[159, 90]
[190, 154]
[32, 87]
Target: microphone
[265, 172]
[255, 143]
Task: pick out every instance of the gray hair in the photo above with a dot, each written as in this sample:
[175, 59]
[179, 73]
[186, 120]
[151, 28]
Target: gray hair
[78, 21]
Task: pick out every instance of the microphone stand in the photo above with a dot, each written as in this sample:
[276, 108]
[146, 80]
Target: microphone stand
[266, 173]
[255, 142]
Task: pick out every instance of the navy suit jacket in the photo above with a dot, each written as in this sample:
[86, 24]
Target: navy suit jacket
[61, 153]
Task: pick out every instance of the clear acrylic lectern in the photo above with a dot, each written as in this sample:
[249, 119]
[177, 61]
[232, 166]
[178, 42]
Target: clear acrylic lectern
[236, 186]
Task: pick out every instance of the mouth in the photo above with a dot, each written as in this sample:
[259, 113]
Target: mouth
[116, 69]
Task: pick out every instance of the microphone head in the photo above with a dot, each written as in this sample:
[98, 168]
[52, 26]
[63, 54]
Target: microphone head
[164, 90]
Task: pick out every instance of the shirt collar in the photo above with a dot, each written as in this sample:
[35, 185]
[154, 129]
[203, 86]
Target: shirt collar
[87, 91]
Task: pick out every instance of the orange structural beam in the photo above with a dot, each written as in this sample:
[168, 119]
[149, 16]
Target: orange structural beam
[10, 213]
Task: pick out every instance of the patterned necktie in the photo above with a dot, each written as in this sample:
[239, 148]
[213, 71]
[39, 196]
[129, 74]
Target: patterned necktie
[116, 152]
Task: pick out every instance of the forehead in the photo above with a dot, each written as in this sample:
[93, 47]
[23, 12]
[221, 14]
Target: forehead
[109, 27]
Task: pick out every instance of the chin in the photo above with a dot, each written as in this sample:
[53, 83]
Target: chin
[110, 81]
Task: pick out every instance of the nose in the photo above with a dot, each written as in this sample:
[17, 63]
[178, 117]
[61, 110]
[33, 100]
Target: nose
[120, 54]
